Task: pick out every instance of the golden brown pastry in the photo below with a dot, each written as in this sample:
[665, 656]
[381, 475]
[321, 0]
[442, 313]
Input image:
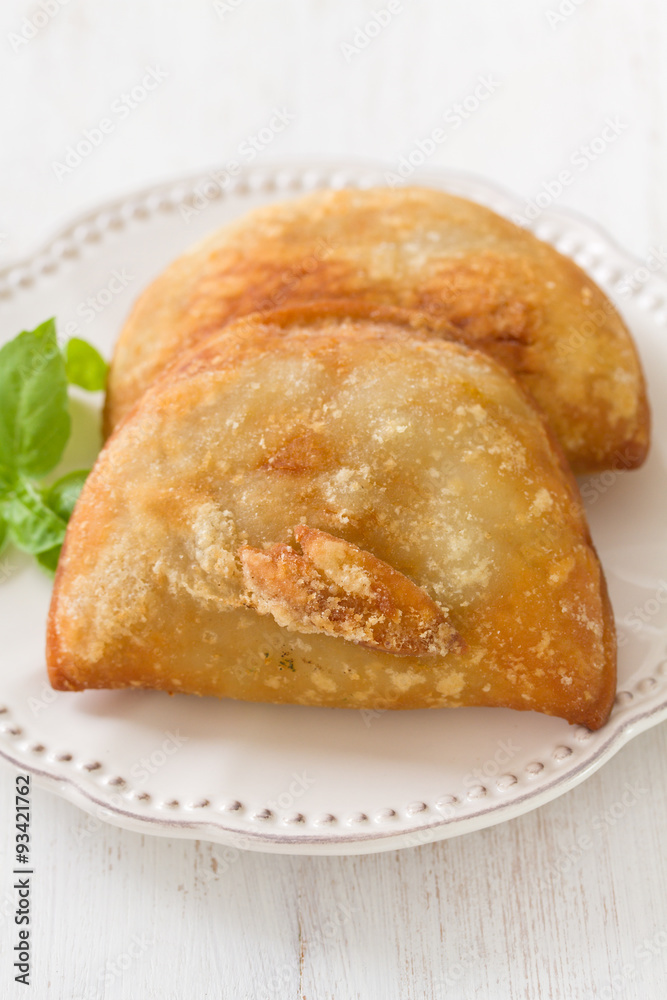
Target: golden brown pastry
[475, 277]
[335, 513]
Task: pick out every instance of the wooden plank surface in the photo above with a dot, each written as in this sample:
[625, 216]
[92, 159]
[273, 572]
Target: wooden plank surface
[567, 902]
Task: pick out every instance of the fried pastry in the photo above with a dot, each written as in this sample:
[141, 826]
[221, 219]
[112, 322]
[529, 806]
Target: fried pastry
[335, 513]
[474, 276]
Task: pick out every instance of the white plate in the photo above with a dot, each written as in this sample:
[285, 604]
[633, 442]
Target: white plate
[308, 780]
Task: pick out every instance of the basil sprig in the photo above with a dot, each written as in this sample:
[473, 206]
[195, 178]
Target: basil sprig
[34, 429]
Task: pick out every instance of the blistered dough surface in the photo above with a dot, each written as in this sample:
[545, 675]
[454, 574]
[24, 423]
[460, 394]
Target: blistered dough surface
[283, 480]
[466, 272]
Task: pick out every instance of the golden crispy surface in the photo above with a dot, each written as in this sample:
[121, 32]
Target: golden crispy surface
[335, 514]
[337, 589]
[475, 276]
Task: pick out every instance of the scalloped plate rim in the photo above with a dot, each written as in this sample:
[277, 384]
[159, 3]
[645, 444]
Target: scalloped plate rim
[341, 844]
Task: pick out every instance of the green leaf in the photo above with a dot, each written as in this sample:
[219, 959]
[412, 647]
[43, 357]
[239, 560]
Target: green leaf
[33, 526]
[85, 365]
[7, 476]
[34, 428]
[62, 496]
[49, 559]
[34, 413]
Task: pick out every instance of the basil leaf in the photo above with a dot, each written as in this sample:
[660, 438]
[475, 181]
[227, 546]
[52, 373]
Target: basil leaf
[32, 525]
[34, 413]
[49, 558]
[85, 365]
[34, 428]
[7, 479]
[62, 496]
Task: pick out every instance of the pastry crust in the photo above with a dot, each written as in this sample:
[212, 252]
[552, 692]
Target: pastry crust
[466, 272]
[336, 513]
[335, 588]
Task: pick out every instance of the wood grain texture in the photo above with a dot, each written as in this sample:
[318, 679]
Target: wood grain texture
[553, 904]
[519, 912]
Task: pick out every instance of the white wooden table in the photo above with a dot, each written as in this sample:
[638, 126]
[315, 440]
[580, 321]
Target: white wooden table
[568, 902]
